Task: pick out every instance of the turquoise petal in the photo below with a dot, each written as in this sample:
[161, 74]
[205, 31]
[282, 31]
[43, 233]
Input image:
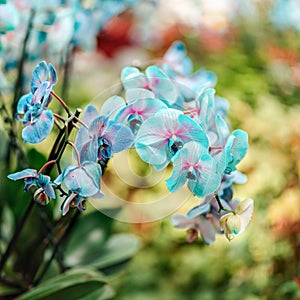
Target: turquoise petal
[161, 85]
[37, 132]
[39, 75]
[23, 174]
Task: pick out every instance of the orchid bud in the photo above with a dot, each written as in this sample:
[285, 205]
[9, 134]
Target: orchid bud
[231, 224]
[41, 197]
[192, 235]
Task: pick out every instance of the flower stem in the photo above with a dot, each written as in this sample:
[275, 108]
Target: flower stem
[76, 152]
[60, 142]
[57, 116]
[62, 102]
[221, 207]
[50, 162]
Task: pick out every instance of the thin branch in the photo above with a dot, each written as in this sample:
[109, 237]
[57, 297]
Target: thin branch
[59, 117]
[50, 162]
[76, 151]
[62, 102]
[221, 207]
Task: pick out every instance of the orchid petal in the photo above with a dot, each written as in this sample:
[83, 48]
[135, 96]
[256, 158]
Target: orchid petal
[207, 230]
[161, 85]
[119, 135]
[132, 78]
[77, 180]
[89, 151]
[245, 210]
[191, 131]
[49, 191]
[23, 174]
[41, 94]
[240, 145]
[94, 171]
[222, 129]
[138, 94]
[39, 75]
[37, 132]
[90, 113]
[179, 176]
[66, 204]
[175, 59]
[181, 221]
[82, 137]
[112, 106]
[198, 210]
[151, 141]
[144, 108]
[23, 103]
[53, 75]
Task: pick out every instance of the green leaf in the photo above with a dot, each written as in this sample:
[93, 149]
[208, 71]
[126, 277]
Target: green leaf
[7, 290]
[6, 232]
[101, 294]
[35, 159]
[119, 249]
[88, 237]
[89, 244]
[75, 284]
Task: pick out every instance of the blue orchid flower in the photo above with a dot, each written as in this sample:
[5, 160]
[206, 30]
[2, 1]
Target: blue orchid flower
[225, 190]
[235, 149]
[83, 181]
[73, 200]
[199, 221]
[37, 118]
[155, 80]
[204, 219]
[202, 108]
[228, 150]
[139, 110]
[178, 66]
[102, 138]
[194, 165]
[176, 61]
[43, 73]
[33, 178]
[161, 136]
[221, 106]
[113, 105]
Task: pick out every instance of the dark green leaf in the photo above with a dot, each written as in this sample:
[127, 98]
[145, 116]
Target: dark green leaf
[74, 284]
[35, 159]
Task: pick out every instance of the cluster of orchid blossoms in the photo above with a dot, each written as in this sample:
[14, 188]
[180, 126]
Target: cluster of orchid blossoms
[169, 115]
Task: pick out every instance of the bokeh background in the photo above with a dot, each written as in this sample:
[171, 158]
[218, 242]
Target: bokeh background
[254, 49]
